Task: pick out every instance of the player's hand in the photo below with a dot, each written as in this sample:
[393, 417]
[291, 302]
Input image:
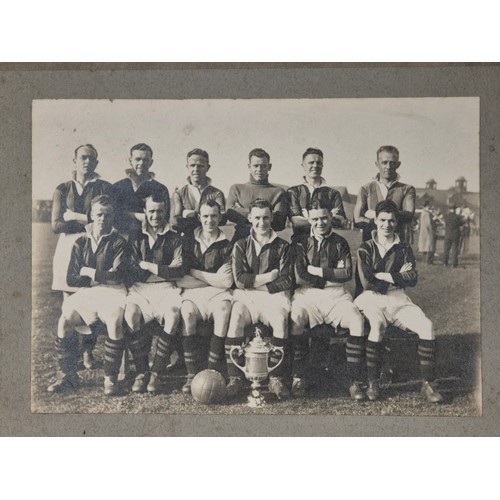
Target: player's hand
[145, 265]
[274, 274]
[407, 266]
[315, 271]
[188, 213]
[177, 262]
[89, 272]
[305, 213]
[69, 215]
[370, 214]
[139, 216]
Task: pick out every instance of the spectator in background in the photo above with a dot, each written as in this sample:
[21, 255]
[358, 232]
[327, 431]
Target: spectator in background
[452, 232]
[427, 234]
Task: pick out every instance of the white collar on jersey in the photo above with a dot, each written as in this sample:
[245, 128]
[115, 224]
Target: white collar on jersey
[383, 250]
[198, 236]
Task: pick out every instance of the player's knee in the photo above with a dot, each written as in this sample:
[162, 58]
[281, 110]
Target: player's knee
[354, 322]
[298, 321]
[223, 308]
[238, 311]
[188, 311]
[426, 330]
[132, 317]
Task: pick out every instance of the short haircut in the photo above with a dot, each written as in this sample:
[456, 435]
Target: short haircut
[155, 197]
[319, 205]
[198, 152]
[259, 153]
[386, 206]
[209, 203]
[312, 151]
[86, 146]
[102, 199]
[260, 203]
[388, 149]
[141, 147]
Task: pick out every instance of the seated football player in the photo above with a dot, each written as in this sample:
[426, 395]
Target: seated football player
[97, 267]
[313, 187]
[206, 295]
[386, 266]
[130, 192]
[258, 187]
[263, 276]
[322, 265]
[188, 198]
[156, 262]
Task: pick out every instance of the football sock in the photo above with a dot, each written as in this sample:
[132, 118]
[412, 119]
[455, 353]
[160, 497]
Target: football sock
[190, 344]
[374, 355]
[139, 344]
[113, 353]
[355, 348]
[67, 349]
[232, 371]
[300, 344]
[275, 356]
[164, 349]
[216, 354]
[426, 355]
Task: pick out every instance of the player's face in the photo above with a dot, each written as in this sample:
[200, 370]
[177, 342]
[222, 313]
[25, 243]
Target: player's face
[387, 164]
[141, 161]
[259, 168]
[156, 214]
[85, 161]
[198, 167]
[102, 217]
[386, 223]
[261, 219]
[321, 221]
[209, 218]
[313, 166]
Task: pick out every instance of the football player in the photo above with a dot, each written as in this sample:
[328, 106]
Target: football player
[313, 187]
[188, 198]
[130, 193]
[258, 187]
[322, 265]
[263, 276]
[98, 265]
[386, 266]
[386, 186]
[206, 295]
[156, 262]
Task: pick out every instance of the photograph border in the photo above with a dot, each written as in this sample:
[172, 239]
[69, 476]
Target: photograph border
[23, 83]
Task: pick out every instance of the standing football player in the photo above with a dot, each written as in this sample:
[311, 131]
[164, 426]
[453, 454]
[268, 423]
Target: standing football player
[188, 198]
[386, 186]
[156, 262]
[263, 276]
[258, 187]
[386, 266]
[97, 267]
[322, 265]
[313, 187]
[130, 192]
[206, 295]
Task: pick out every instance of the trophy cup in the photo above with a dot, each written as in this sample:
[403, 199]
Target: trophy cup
[256, 367]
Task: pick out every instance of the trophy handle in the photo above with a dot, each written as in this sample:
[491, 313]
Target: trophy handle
[235, 347]
[280, 349]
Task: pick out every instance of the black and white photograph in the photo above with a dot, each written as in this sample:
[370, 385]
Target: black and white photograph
[315, 256]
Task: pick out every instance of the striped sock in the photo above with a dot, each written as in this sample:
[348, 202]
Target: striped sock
[164, 349]
[113, 353]
[300, 345]
[67, 354]
[190, 344]
[216, 354]
[232, 371]
[139, 344]
[354, 352]
[374, 355]
[426, 355]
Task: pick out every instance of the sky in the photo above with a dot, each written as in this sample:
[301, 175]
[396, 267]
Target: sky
[437, 138]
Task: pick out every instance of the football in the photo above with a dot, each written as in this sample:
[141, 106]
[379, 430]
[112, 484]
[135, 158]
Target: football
[208, 387]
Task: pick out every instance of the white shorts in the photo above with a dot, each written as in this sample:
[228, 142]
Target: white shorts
[330, 305]
[395, 308]
[261, 304]
[206, 299]
[60, 263]
[153, 299]
[102, 302]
